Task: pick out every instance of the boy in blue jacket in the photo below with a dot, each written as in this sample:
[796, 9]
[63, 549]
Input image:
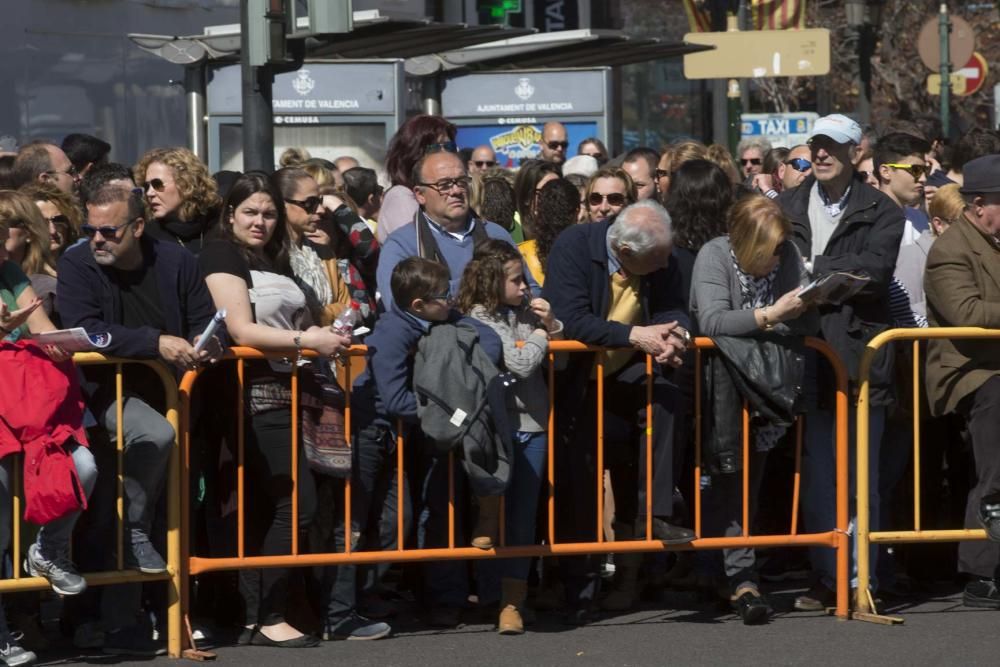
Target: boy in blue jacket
[382, 396]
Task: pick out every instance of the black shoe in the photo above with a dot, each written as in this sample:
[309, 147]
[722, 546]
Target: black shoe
[752, 608]
[133, 640]
[579, 616]
[989, 517]
[444, 617]
[356, 626]
[304, 641]
[982, 594]
[671, 534]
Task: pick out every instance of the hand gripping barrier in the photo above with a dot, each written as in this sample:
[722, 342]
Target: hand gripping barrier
[917, 534]
[835, 539]
[120, 575]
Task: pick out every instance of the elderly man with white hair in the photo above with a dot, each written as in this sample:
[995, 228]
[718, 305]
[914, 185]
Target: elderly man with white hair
[613, 284]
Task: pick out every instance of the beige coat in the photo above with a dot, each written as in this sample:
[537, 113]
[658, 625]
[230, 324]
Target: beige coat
[963, 290]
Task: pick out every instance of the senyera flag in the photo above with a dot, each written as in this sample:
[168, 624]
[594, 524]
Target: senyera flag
[764, 14]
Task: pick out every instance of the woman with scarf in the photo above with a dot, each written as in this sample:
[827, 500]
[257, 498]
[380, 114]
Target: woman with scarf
[745, 286]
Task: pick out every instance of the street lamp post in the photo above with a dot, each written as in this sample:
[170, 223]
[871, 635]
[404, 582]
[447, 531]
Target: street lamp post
[864, 18]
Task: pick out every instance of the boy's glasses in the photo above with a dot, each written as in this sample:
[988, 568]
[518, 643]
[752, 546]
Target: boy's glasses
[916, 170]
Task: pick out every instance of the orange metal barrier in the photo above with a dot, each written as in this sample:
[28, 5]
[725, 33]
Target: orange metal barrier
[917, 534]
[20, 582]
[835, 539]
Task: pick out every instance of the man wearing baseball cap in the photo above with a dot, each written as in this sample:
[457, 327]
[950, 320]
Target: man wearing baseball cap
[963, 290]
[842, 224]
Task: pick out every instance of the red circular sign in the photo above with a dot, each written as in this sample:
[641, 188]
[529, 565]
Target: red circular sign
[975, 72]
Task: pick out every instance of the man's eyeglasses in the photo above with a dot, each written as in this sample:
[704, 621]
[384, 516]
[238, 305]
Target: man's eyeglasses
[916, 170]
[556, 145]
[309, 204]
[614, 198]
[483, 164]
[755, 161]
[108, 233]
[799, 164]
[71, 172]
[157, 184]
[446, 185]
[441, 147]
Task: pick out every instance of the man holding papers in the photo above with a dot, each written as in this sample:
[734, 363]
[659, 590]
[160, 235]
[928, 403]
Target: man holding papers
[842, 224]
[152, 300]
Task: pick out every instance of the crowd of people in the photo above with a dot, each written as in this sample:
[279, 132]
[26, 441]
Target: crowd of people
[442, 251]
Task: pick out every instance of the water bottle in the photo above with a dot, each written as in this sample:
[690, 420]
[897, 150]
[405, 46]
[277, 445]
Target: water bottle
[348, 318]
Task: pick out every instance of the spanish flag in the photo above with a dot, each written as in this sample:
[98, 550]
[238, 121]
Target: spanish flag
[764, 14]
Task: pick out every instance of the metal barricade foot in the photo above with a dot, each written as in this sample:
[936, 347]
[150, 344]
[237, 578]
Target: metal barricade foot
[193, 652]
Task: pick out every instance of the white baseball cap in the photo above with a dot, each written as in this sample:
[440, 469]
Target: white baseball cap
[585, 165]
[838, 127]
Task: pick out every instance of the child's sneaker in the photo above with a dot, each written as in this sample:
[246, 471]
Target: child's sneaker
[60, 572]
[12, 654]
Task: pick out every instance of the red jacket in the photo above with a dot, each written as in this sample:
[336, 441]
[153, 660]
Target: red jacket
[41, 408]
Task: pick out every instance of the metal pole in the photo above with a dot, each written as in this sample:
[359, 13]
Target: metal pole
[944, 26]
[743, 23]
[194, 92]
[258, 120]
[734, 94]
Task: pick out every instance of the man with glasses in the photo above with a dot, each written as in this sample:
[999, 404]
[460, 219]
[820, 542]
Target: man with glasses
[554, 144]
[901, 169]
[483, 158]
[152, 300]
[46, 163]
[613, 284]
[444, 228]
[840, 223]
[751, 152]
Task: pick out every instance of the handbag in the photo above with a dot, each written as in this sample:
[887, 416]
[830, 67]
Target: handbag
[322, 403]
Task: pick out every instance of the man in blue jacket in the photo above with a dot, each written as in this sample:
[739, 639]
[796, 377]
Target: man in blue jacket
[152, 300]
[612, 284]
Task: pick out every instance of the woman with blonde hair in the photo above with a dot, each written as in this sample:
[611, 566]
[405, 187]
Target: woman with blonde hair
[721, 156]
[183, 197]
[672, 158]
[746, 285]
[609, 191]
[944, 210]
[28, 244]
[61, 211]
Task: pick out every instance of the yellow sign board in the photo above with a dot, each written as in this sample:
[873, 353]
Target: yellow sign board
[753, 54]
[958, 82]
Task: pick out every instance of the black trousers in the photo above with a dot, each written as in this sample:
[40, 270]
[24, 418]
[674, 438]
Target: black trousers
[268, 500]
[982, 411]
[625, 457]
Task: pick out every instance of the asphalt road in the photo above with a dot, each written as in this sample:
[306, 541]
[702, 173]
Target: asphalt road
[679, 630]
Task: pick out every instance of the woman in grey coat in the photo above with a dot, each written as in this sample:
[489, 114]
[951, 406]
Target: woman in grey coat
[747, 284]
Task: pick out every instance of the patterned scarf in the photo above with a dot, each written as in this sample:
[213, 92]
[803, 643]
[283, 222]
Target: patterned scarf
[311, 275]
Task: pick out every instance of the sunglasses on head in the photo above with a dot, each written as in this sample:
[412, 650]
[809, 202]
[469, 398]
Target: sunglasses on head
[483, 164]
[614, 198]
[441, 147]
[916, 170]
[799, 164]
[556, 145]
[157, 184]
[755, 161]
[309, 204]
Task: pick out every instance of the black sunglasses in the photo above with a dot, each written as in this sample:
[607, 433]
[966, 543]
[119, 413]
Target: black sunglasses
[482, 164]
[754, 161]
[157, 184]
[309, 204]
[445, 147]
[615, 198]
[108, 233]
[556, 145]
[58, 219]
[661, 173]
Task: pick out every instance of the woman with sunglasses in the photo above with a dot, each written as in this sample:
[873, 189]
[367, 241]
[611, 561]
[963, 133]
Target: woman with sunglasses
[28, 244]
[248, 273]
[746, 285]
[609, 191]
[62, 213]
[319, 278]
[531, 177]
[416, 137]
[182, 196]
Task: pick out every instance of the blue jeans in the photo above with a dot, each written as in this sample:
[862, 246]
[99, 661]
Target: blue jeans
[819, 508]
[520, 507]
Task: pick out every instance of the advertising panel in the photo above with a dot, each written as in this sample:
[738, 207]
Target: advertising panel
[514, 143]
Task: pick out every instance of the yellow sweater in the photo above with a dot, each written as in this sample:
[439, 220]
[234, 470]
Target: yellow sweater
[625, 308]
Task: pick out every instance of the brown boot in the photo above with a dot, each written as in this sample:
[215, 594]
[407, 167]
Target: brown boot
[486, 534]
[512, 594]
